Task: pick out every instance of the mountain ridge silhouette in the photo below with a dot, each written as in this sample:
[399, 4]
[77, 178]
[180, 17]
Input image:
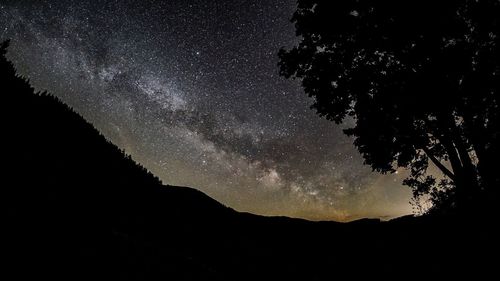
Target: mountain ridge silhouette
[77, 207]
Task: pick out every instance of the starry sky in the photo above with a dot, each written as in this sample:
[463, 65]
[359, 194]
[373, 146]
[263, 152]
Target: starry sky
[190, 88]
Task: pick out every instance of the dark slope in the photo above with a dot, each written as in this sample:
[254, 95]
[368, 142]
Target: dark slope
[73, 198]
[78, 208]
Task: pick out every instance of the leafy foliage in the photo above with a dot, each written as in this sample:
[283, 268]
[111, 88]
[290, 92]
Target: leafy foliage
[421, 80]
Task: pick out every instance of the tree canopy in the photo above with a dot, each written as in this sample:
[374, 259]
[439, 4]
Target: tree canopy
[420, 78]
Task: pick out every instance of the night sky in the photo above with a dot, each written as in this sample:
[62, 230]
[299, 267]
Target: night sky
[191, 90]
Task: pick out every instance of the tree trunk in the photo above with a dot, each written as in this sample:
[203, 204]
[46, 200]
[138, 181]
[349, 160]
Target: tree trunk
[466, 180]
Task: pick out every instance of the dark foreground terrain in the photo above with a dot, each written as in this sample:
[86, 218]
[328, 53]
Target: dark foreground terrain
[78, 208]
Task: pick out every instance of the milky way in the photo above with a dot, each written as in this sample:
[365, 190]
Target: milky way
[191, 90]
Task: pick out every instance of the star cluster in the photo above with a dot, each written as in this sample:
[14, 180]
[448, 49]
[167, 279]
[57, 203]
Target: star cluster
[191, 90]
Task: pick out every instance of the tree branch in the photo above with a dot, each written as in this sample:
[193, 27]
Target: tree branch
[438, 164]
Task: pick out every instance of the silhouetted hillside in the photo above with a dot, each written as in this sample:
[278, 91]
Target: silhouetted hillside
[78, 208]
[67, 189]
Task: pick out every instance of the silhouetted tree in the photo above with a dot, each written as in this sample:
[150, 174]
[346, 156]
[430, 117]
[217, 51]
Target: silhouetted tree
[420, 79]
